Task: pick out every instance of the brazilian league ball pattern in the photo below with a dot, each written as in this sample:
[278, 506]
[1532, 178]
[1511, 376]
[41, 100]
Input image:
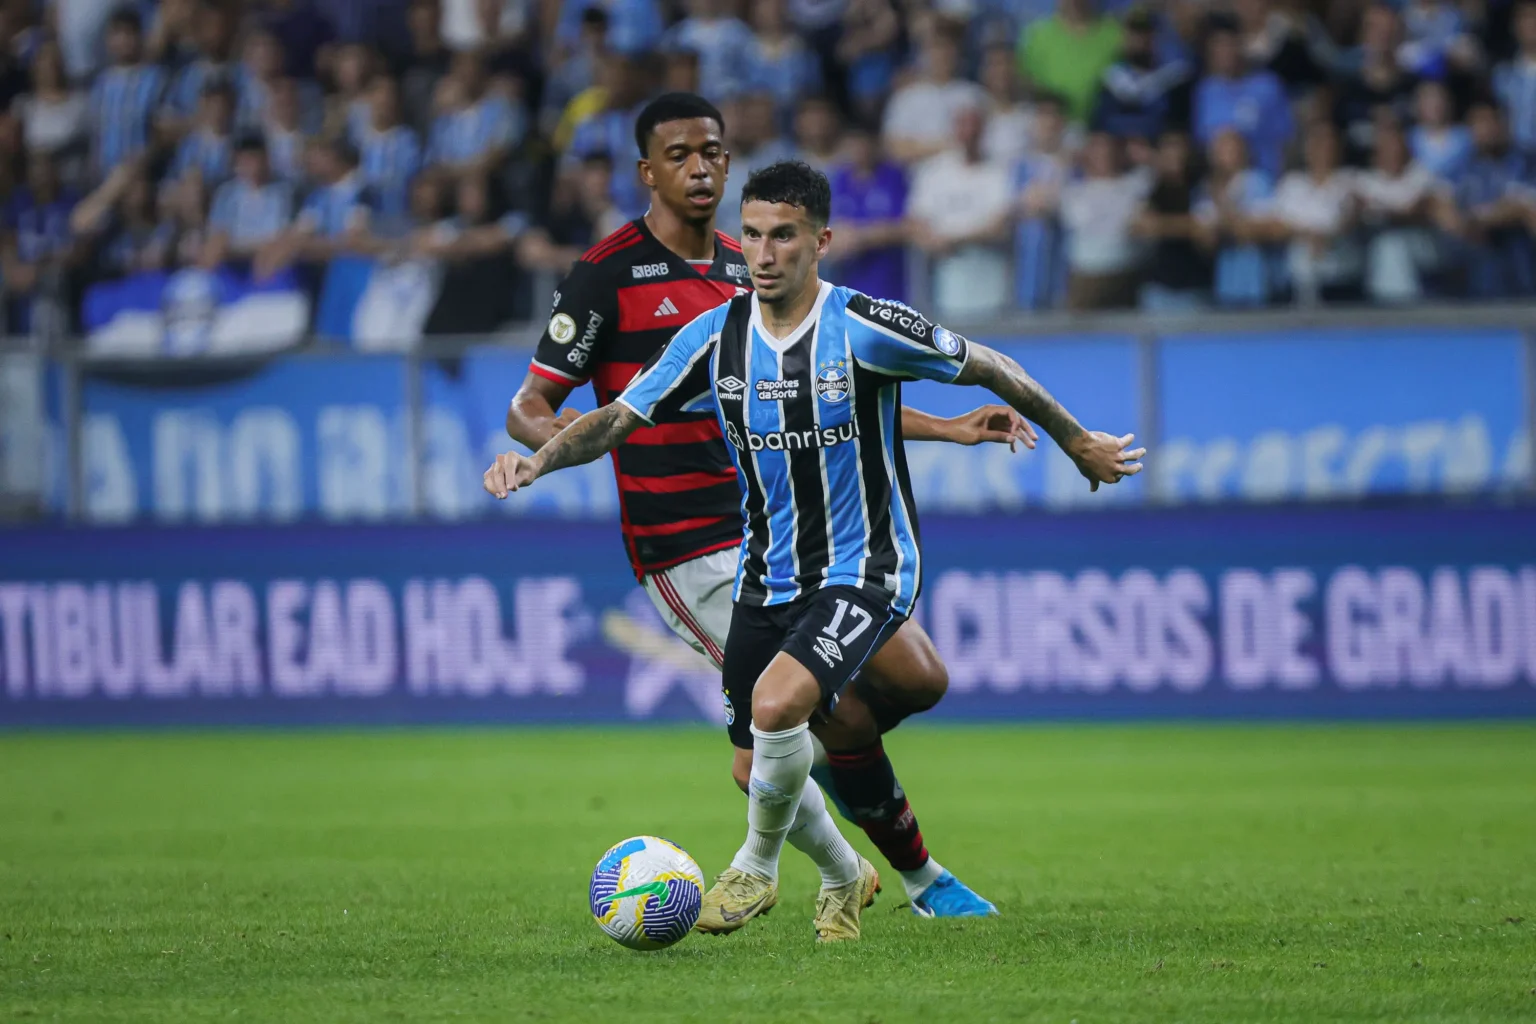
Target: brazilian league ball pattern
[646, 893]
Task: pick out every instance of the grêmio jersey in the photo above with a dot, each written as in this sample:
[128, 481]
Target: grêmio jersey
[814, 427]
[616, 309]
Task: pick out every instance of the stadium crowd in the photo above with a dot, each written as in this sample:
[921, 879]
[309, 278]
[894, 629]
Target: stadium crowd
[1038, 154]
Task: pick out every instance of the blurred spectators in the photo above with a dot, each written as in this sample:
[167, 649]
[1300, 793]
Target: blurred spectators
[207, 150]
[251, 212]
[781, 63]
[866, 55]
[390, 153]
[37, 251]
[959, 214]
[1234, 214]
[920, 119]
[283, 127]
[1142, 95]
[1314, 211]
[126, 94]
[1098, 213]
[1493, 210]
[1009, 118]
[1178, 277]
[1038, 178]
[869, 204]
[1234, 96]
[1243, 153]
[1399, 205]
[1515, 82]
[817, 133]
[1068, 53]
[753, 137]
[723, 43]
[1437, 143]
[122, 219]
[55, 118]
[210, 60]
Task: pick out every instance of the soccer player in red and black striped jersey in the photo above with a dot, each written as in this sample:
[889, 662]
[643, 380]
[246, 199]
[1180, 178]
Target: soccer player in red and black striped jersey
[679, 499]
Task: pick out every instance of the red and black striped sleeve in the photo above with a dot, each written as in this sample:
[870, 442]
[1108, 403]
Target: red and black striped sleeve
[585, 316]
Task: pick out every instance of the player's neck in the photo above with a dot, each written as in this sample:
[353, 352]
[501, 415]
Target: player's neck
[781, 318]
[691, 240]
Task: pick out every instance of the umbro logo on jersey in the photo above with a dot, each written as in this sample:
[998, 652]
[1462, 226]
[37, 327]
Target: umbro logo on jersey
[731, 388]
[666, 308]
[830, 651]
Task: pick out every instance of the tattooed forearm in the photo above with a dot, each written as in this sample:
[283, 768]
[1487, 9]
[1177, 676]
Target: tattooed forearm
[591, 437]
[1007, 380]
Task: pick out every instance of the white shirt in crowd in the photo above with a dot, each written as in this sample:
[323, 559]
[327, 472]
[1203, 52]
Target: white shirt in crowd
[1008, 132]
[956, 198]
[462, 29]
[926, 111]
[1097, 214]
[1305, 204]
[1379, 192]
[48, 127]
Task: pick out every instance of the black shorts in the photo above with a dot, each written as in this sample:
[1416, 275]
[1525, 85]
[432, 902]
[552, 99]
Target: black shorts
[832, 632]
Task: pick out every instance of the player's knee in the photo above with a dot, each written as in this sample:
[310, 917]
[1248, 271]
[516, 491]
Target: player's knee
[851, 727]
[775, 712]
[930, 681]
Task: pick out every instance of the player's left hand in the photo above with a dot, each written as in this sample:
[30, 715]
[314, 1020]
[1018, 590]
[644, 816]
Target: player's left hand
[997, 424]
[509, 472]
[1104, 458]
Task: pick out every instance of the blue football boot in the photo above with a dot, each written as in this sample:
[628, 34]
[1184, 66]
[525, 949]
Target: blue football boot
[949, 897]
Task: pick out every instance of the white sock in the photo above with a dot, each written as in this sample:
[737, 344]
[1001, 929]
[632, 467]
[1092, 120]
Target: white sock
[815, 834]
[916, 882]
[781, 765]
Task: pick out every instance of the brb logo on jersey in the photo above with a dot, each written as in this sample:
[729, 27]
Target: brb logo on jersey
[791, 440]
[832, 383]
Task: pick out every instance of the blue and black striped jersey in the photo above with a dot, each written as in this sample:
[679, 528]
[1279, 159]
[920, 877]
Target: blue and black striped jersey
[813, 422]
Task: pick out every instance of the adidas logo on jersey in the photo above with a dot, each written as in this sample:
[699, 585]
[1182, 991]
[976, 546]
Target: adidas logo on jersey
[666, 308]
[829, 650]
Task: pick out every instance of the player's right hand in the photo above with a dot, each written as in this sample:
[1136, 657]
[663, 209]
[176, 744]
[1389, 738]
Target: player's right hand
[566, 418]
[1104, 458]
[510, 471]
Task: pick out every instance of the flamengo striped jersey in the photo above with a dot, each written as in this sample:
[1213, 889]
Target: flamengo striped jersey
[814, 425]
[618, 308]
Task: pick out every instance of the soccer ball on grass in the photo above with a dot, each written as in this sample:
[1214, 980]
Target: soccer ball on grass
[646, 893]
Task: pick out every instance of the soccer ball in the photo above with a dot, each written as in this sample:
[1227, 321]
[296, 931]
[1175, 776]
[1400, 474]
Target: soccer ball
[646, 893]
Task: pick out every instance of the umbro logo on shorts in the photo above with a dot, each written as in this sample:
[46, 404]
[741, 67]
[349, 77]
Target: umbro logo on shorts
[731, 388]
[831, 652]
[666, 308]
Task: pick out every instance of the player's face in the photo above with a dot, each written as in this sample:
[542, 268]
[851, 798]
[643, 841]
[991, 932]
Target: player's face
[782, 246]
[686, 167]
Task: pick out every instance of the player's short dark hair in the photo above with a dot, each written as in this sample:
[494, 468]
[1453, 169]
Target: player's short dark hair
[673, 106]
[795, 183]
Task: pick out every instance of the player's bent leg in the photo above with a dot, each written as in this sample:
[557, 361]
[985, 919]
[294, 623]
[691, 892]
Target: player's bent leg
[905, 677]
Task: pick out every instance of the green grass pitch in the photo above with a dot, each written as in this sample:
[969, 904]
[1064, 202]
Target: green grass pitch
[1155, 873]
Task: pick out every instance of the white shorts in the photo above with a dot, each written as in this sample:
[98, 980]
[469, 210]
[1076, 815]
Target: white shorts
[694, 600]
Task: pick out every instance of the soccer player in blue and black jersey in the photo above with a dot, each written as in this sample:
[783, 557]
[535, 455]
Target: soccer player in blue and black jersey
[805, 378]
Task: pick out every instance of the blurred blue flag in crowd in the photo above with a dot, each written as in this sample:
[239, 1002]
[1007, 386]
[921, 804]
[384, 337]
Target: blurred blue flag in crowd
[375, 305]
[191, 312]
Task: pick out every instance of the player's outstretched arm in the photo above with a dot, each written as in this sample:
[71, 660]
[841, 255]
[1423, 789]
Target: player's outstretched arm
[997, 424]
[1100, 457]
[590, 437]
